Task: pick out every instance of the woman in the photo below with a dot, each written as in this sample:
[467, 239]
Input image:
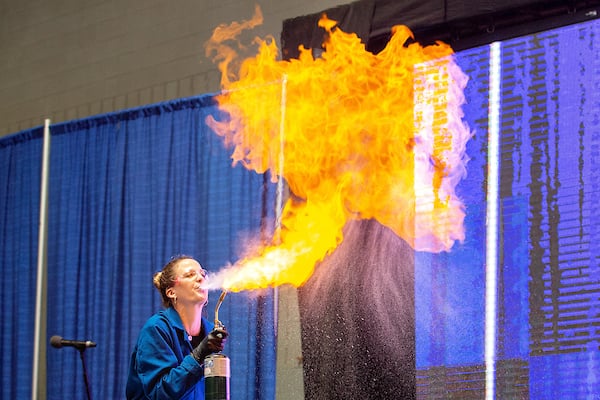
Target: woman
[167, 361]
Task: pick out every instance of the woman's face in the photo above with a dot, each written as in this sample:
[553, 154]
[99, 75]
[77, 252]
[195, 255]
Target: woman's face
[188, 285]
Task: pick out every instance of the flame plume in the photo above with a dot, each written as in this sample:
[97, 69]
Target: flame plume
[363, 136]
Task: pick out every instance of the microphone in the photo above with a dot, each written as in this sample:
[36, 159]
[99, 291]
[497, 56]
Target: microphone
[58, 342]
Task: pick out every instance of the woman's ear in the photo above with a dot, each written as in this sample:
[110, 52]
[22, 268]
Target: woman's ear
[170, 293]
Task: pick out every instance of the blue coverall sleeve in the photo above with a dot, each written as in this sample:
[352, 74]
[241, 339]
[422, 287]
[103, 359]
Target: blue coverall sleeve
[164, 368]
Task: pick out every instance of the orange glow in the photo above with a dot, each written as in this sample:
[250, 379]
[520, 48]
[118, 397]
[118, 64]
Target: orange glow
[354, 135]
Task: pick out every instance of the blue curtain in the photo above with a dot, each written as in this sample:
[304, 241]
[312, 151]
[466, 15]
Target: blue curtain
[20, 171]
[127, 191]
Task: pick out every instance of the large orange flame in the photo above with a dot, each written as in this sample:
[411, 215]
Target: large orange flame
[354, 135]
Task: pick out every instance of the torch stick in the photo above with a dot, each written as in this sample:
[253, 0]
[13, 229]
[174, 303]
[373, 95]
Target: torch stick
[219, 324]
[216, 366]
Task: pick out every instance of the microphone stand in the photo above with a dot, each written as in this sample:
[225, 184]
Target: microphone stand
[85, 376]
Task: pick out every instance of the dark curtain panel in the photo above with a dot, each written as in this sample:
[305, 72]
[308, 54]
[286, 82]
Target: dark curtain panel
[358, 318]
[20, 171]
[460, 23]
[420, 15]
[304, 30]
[127, 191]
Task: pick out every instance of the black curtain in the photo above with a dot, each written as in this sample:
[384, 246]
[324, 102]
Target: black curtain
[460, 23]
[304, 30]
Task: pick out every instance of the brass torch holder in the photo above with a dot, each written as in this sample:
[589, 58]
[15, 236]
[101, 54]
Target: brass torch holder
[218, 323]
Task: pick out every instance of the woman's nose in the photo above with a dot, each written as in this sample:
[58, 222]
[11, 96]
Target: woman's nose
[201, 276]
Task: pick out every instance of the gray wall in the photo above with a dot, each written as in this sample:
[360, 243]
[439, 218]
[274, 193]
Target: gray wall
[69, 59]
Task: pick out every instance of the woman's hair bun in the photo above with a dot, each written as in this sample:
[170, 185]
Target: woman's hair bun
[156, 279]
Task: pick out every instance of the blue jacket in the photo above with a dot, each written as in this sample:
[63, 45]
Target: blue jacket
[161, 364]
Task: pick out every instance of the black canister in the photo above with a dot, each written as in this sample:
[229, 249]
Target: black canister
[216, 377]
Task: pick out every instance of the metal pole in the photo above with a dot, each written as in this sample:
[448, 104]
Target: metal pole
[39, 345]
[280, 190]
[493, 182]
[289, 380]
